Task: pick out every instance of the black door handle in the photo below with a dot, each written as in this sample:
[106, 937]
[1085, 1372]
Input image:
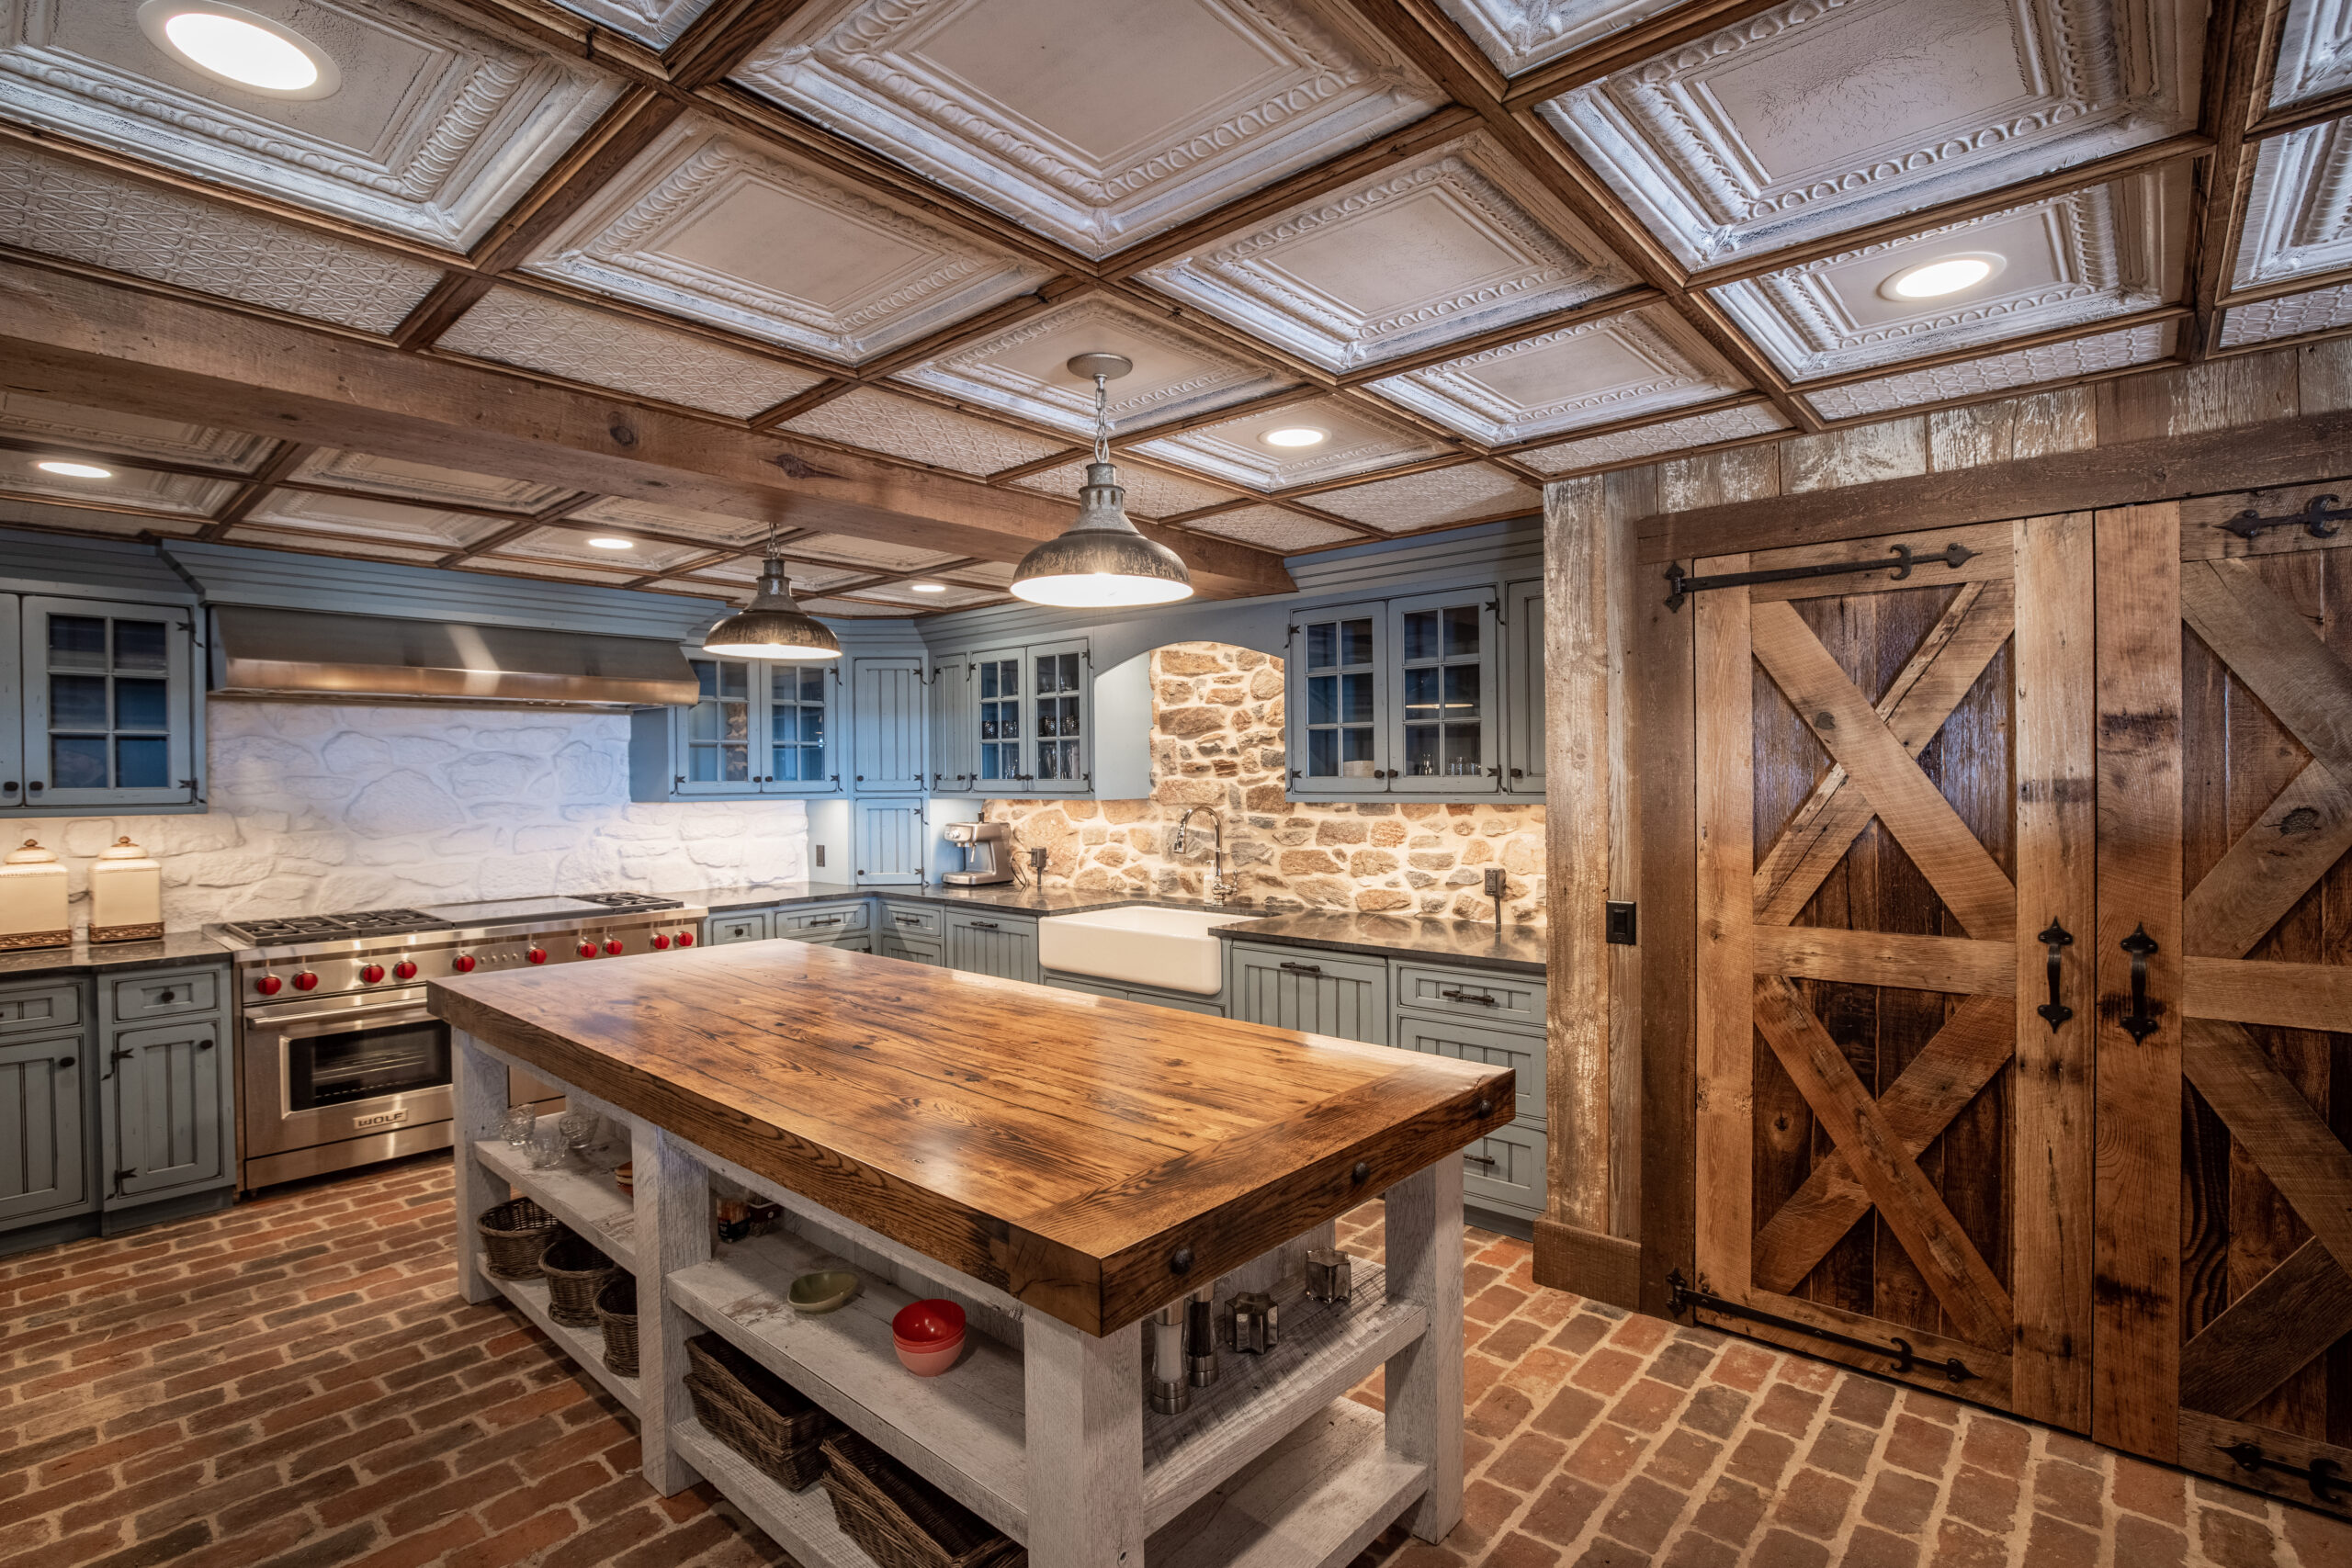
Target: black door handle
[985, 926]
[1483, 1000]
[1316, 969]
[2139, 944]
[2053, 1011]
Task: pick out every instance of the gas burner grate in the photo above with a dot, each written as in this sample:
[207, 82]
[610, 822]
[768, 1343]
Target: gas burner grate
[315, 928]
[626, 900]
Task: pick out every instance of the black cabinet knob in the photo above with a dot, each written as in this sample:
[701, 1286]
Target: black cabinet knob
[65, 1061]
[168, 996]
[1181, 1261]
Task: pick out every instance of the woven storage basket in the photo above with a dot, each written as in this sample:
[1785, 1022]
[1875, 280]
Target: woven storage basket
[902, 1521]
[756, 1413]
[514, 1233]
[576, 1274]
[616, 1310]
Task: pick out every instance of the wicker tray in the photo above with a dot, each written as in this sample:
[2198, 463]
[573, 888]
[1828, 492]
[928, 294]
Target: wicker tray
[616, 1310]
[902, 1521]
[756, 1413]
[513, 1235]
[577, 1272]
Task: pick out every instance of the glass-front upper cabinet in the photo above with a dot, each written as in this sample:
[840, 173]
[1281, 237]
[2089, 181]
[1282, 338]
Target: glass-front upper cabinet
[799, 703]
[1060, 693]
[1333, 697]
[1445, 727]
[997, 719]
[719, 731]
[758, 728]
[109, 705]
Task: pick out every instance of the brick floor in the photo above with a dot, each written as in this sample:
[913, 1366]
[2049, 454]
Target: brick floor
[294, 1384]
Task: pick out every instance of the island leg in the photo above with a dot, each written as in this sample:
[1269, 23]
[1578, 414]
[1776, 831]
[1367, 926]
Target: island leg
[1424, 1380]
[478, 1104]
[1084, 1414]
[673, 1233]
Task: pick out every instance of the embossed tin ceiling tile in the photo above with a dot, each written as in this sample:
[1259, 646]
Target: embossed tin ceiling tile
[1655, 440]
[995, 573]
[1150, 493]
[46, 518]
[383, 522]
[656, 22]
[1643, 361]
[556, 572]
[1999, 373]
[184, 493]
[878, 555]
[1093, 127]
[1024, 370]
[69, 424]
[717, 527]
[1454, 242]
[401, 479]
[2081, 257]
[2289, 315]
[903, 427]
[513, 326]
[566, 545]
[704, 225]
[60, 209]
[1356, 441]
[435, 132]
[2314, 52]
[2299, 208]
[1518, 35]
[311, 544]
[1274, 528]
[1818, 116]
[1432, 499]
[956, 598]
[851, 609]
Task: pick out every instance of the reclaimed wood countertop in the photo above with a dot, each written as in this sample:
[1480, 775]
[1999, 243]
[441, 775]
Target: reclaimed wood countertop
[1093, 1158]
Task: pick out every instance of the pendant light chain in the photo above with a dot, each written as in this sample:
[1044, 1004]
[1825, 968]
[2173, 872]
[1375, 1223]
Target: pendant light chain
[1101, 418]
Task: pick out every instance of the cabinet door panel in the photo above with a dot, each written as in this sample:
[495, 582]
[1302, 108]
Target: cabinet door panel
[1337, 695]
[1062, 720]
[797, 746]
[893, 840]
[717, 751]
[983, 944]
[1505, 1170]
[1522, 1053]
[954, 759]
[167, 1125]
[888, 713]
[1443, 730]
[43, 1172]
[725, 929]
[892, 942]
[12, 718]
[1314, 992]
[997, 720]
[1523, 689]
[109, 712]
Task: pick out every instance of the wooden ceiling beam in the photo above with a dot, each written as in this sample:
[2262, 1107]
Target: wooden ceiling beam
[2238, 61]
[723, 38]
[1616, 304]
[282, 463]
[1636, 422]
[69, 337]
[2067, 334]
[634, 122]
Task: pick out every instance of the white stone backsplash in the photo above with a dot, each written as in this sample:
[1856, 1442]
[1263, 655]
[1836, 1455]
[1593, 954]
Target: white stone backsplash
[317, 809]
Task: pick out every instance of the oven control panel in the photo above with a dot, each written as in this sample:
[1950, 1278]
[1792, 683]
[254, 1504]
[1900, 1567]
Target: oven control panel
[388, 962]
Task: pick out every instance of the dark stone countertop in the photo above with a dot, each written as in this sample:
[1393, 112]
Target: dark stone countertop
[87, 958]
[1520, 950]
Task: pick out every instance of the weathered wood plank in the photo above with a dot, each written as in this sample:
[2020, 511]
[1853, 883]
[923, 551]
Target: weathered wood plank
[2274, 650]
[2284, 995]
[1626, 836]
[1085, 1439]
[479, 1089]
[2204, 1440]
[2262, 875]
[2297, 1150]
[1317, 1500]
[672, 1191]
[1861, 454]
[1990, 562]
[2203, 535]
[2267, 1335]
[1422, 1385]
[1577, 734]
[1947, 963]
[1726, 759]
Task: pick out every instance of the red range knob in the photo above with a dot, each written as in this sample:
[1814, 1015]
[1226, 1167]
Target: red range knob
[685, 939]
[269, 985]
[463, 963]
[305, 981]
[537, 955]
[614, 946]
[660, 942]
[587, 950]
[405, 970]
[371, 973]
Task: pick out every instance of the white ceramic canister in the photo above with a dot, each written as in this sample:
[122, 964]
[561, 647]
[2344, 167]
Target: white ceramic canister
[32, 899]
[126, 895]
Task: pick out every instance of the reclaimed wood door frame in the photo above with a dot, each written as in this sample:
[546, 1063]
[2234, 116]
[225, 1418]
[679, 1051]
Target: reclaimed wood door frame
[2026, 1342]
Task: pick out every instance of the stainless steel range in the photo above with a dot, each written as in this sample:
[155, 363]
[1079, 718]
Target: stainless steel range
[338, 1063]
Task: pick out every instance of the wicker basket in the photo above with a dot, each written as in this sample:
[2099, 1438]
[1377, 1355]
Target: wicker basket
[576, 1274]
[513, 1235]
[902, 1521]
[616, 1310]
[756, 1413]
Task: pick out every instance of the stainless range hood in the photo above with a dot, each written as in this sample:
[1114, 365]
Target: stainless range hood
[305, 654]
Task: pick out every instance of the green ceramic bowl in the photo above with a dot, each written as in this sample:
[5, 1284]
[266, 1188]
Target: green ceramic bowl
[826, 1290]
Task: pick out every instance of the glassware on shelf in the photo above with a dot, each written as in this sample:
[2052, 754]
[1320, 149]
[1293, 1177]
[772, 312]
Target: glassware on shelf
[579, 1129]
[520, 1123]
[548, 1149]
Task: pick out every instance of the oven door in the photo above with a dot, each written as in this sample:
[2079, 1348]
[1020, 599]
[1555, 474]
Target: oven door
[346, 1067]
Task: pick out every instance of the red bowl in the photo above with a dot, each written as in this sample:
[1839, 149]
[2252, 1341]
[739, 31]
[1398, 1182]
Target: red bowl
[928, 1325]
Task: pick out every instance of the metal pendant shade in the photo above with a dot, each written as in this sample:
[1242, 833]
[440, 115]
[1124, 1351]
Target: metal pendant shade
[1100, 561]
[771, 626]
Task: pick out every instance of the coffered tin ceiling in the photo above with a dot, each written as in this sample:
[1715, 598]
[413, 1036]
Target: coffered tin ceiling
[1024, 370]
[337, 544]
[2314, 52]
[395, 478]
[435, 130]
[1356, 440]
[183, 493]
[2075, 258]
[878, 422]
[1650, 440]
[1821, 115]
[656, 22]
[1642, 361]
[2298, 209]
[362, 521]
[1459, 494]
[1272, 527]
[1150, 493]
[578, 343]
[2069, 360]
[570, 547]
[1095, 122]
[103, 430]
[1518, 35]
[704, 226]
[2289, 315]
[1454, 242]
[874, 555]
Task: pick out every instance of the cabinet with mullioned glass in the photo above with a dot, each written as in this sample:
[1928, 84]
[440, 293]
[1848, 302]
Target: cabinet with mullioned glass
[1336, 685]
[758, 727]
[108, 706]
[1014, 721]
[1401, 696]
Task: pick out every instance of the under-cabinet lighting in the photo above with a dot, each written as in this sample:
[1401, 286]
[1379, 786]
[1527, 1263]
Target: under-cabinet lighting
[76, 470]
[1946, 274]
[240, 48]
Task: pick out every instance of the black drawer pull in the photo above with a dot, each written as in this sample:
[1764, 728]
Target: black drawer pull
[828, 921]
[1315, 969]
[907, 920]
[985, 926]
[1487, 1160]
[1481, 997]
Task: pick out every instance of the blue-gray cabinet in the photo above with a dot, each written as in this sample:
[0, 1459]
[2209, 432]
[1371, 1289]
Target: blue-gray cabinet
[760, 726]
[167, 1110]
[103, 706]
[1523, 689]
[44, 1052]
[892, 842]
[1014, 721]
[911, 932]
[1307, 990]
[988, 942]
[889, 717]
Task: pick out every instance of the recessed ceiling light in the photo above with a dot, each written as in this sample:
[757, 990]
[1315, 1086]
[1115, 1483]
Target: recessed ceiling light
[1295, 436]
[1945, 275]
[601, 544]
[76, 470]
[240, 47]
[927, 587]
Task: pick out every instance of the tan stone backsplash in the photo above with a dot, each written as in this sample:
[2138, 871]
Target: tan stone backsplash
[1216, 741]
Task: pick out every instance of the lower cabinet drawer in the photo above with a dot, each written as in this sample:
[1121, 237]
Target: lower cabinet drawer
[725, 929]
[24, 1008]
[892, 943]
[1505, 1170]
[914, 920]
[819, 919]
[1485, 994]
[167, 994]
[853, 941]
[1522, 1053]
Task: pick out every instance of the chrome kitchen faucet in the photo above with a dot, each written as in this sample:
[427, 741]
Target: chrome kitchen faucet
[1221, 887]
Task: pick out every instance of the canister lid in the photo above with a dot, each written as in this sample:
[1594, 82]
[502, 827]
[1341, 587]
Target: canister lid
[32, 855]
[122, 849]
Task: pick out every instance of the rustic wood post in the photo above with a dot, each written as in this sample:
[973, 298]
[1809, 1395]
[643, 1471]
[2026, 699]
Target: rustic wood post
[1084, 1403]
[672, 1193]
[1424, 1380]
[477, 1092]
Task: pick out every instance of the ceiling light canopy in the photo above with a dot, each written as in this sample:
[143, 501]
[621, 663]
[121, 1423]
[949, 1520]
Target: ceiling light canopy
[1100, 561]
[771, 626]
[1945, 275]
[602, 543]
[1295, 436]
[240, 47]
[76, 470]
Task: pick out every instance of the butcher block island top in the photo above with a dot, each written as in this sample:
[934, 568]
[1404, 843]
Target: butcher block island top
[1088, 1157]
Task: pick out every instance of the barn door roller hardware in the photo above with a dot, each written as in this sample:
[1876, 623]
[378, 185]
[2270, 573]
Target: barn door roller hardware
[1683, 584]
[1679, 1295]
[2319, 1475]
[2317, 518]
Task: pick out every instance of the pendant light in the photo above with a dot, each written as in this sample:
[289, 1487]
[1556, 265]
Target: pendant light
[771, 626]
[1099, 561]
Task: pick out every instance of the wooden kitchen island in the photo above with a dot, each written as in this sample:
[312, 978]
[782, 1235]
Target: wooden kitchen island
[1064, 1165]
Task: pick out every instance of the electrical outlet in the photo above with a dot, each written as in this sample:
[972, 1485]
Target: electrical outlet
[1494, 882]
[1621, 929]
[820, 853]
[1037, 858]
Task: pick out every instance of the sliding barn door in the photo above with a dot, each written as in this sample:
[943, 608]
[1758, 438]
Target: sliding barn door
[2225, 1039]
[1895, 831]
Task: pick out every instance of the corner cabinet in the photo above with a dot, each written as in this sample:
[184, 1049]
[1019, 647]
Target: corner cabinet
[1399, 697]
[759, 728]
[44, 1089]
[1014, 721]
[103, 707]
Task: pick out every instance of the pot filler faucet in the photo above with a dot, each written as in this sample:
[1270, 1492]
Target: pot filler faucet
[1221, 887]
